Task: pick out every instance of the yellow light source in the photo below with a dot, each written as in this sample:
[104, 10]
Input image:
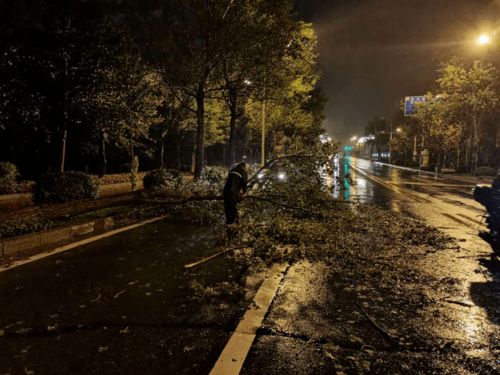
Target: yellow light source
[483, 39]
[399, 130]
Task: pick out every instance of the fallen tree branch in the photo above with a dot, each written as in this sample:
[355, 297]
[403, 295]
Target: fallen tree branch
[460, 303]
[377, 326]
[207, 259]
[270, 163]
[284, 205]
[194, 198]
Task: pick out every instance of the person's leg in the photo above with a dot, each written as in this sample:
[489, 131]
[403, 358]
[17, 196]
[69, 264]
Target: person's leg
[230, 211]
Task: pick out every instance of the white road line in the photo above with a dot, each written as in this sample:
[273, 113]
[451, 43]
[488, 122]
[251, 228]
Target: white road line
[77, 244]
[234, 354]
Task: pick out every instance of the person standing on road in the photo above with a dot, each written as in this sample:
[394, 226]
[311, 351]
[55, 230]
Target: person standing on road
[234, 190]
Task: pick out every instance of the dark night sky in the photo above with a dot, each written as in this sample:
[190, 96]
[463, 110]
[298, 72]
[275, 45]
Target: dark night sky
[375, 52]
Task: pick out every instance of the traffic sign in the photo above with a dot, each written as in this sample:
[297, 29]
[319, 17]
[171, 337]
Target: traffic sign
[411, 104]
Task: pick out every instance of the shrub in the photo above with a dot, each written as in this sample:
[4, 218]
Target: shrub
[163, 179]
[485, 171]
[8, 170]
[214, 175]
[211, 181]
[7, 186]
[8, 176]
[65, 187]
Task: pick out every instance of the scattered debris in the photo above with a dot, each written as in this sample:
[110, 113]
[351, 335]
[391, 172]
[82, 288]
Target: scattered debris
[119, 294]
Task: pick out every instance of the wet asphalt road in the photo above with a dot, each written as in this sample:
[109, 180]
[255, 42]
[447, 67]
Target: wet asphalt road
[445, 303]
[120, 305]
[125, 305]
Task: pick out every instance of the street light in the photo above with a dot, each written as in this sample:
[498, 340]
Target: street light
[483, 39]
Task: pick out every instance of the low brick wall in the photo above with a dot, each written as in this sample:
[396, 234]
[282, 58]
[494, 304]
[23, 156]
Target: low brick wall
[54, 236]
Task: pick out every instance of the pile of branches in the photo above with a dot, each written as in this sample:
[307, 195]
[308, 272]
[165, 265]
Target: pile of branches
[289, 214]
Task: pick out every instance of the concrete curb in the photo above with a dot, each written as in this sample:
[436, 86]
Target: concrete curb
[77, 244]
[53, 236]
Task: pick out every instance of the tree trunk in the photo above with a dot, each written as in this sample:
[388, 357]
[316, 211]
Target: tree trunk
[162, 152]
[63, 150]
[178, 152]
[467, 155]
[200, 131]
[475, 145]
[102, 154]
[233, 98]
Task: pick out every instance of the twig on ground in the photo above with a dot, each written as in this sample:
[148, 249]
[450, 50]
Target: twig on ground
[377, 326]
[194, 198]
[284, 205]
[460, 303]
[219, 253]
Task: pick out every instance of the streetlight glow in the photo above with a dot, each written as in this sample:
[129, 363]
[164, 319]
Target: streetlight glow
[483, 40]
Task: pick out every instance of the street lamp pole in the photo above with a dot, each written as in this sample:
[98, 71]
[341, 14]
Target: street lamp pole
[390, 144]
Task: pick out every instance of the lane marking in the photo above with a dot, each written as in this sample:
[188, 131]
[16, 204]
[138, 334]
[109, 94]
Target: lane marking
[233, 356]
[440, 175]
[479, 223]
[460, 221]
[73, 245]
[468, 222]
[392, 187]
[432, 184]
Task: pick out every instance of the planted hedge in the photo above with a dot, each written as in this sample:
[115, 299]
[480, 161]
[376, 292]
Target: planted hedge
[163, 179]
[8, 177]
[65, 187]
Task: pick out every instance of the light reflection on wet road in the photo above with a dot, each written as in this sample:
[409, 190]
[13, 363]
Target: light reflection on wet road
[361, 180]
[445, 203]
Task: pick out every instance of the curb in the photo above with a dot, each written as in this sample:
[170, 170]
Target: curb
[53, 236]
[78, 243]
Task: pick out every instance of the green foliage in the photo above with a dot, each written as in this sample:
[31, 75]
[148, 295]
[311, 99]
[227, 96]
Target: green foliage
[8, 177]
[214, 175]
[456, 119]
[19, 227]
[211, 182]
[485, 171]
[8, 170]
[163, 180]
[116, 77]
[65, 187]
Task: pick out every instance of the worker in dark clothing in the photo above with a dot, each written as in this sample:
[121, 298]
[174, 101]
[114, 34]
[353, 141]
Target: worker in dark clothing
[234, 189]
[490, 198]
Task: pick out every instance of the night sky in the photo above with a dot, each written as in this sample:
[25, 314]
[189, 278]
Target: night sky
[375, 52]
